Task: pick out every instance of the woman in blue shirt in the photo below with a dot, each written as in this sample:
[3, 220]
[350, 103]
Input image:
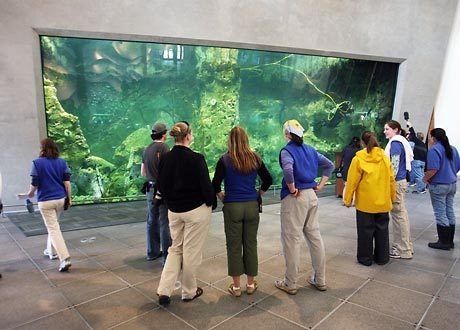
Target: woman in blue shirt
[401, 156]
[239, 168]
[51, 180]
[443, 163]
[299, 207]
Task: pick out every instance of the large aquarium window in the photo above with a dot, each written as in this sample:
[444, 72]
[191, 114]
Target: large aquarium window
[102, 97]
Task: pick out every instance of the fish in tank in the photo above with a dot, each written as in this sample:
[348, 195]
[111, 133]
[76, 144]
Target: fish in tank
[102, 97]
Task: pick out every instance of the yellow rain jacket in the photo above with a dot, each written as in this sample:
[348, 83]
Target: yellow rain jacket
[371, 179]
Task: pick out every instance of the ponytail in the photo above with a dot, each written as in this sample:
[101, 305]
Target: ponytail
[440, 135]
[369, 140]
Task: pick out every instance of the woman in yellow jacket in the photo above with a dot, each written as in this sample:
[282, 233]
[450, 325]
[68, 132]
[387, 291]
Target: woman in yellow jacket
[371, 179]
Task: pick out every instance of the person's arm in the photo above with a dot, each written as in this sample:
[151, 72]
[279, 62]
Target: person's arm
[266, 178]
[395, 156]
[287, 164]
[207, 190]
[433, 164]
[327, 167]
[68, 190]
[143, 170]
[219, 176]
[428, 175]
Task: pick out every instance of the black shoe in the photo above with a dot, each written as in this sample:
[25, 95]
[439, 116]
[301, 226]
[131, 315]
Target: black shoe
[365, 262]
[151, 258]
[164, 300]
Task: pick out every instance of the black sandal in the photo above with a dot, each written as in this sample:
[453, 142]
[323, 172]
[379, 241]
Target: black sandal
[199, 292]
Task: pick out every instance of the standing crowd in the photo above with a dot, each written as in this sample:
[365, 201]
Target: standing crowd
[181, 196]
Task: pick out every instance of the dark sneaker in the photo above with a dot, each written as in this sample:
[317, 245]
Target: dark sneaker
[64, 265]
[164, 300]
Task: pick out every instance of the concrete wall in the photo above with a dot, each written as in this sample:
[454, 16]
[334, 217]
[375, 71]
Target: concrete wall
[414, 33]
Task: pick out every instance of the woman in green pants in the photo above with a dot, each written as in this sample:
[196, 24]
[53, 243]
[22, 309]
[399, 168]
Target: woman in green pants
[239, 168]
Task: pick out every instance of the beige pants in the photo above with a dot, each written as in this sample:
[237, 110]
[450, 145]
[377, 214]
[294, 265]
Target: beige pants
[50, 211]
[188, 233]
[402, 241]
[299, 217]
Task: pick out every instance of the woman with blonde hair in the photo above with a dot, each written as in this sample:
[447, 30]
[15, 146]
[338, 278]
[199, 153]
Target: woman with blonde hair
[183, 182]
[239, 168]
[371, 180]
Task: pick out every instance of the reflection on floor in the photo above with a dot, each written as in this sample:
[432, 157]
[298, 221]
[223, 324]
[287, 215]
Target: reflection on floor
[111, 285]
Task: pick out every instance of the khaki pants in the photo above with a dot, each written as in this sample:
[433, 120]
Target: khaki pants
[402, 241]
[50, 211]
[188, 232]
[299, 217]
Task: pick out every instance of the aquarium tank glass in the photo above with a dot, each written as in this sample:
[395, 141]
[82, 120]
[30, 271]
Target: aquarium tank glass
[103, 96]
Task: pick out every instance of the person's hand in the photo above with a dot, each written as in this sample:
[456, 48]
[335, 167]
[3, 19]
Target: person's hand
[221, 195]
[318, 188]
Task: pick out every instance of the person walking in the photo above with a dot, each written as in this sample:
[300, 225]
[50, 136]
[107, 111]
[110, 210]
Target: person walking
[371, 180]
[401, 156]
[239, 168]
[183, 182]
[299, 207]
[443, 164]
[51, 180]
[158, 235]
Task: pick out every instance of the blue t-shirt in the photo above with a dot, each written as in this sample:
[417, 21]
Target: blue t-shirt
[48, 175]
[398, 160]
[446, 169]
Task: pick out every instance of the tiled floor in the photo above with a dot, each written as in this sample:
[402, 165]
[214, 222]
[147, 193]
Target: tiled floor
[111, 285]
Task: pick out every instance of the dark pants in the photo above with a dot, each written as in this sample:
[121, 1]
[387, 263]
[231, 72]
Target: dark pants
[370, 227]
[241, 224]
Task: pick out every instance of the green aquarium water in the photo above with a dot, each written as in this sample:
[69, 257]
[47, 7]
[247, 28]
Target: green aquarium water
[102, 97]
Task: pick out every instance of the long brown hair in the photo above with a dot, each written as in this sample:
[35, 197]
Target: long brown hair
[243, 158]
[48, 148]
[369, 140]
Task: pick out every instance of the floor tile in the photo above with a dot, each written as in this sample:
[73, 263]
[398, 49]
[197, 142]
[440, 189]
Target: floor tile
[399, 303]
[451, 290]
[255, 318]
[307, 307]
[400, 274]
[350, 316]
[67, 319]
[92, 287]
[115, 308]
[443, 315]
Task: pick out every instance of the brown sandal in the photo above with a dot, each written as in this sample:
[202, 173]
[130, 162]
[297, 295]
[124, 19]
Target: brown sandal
[199, 292]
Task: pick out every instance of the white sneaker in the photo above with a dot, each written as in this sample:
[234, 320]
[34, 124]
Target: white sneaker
[64, 265]
[51, 256]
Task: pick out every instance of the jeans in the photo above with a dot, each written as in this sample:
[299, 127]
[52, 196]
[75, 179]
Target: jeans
[157, 228]
[418, 167]
[442, 200]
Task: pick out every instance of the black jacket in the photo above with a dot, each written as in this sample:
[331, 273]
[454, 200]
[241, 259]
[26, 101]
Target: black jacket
[183, 180]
